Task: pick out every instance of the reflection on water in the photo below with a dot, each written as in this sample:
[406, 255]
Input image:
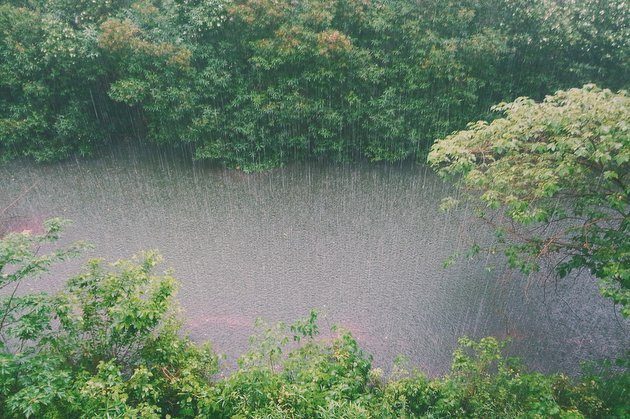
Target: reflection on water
[365, 244]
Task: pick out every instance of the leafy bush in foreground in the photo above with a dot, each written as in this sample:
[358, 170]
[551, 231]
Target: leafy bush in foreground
[109, 345]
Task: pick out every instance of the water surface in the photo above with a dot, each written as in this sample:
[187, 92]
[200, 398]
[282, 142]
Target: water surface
[365, 244]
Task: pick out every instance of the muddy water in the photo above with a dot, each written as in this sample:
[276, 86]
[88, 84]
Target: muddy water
[365, 244]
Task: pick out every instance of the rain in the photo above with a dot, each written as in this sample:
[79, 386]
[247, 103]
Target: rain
[365, 244]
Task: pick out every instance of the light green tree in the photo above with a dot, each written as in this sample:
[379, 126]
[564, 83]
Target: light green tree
[553, 178]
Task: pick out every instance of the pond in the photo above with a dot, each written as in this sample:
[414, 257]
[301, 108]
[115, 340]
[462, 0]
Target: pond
[363, 243]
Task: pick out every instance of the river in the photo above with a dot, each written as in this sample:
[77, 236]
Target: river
[365, 244]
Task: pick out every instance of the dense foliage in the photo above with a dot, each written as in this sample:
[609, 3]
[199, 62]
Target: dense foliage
[106, 346]
[109, 345]
[254, 83]
[559, 171]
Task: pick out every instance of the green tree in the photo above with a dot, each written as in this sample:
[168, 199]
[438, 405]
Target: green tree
[254, 84]
[553, 177]
[47, 87]
[24, 317]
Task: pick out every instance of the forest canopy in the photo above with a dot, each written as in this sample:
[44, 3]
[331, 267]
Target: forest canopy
[256, 83]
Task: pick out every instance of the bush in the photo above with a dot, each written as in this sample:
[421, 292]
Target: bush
[109, 345]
